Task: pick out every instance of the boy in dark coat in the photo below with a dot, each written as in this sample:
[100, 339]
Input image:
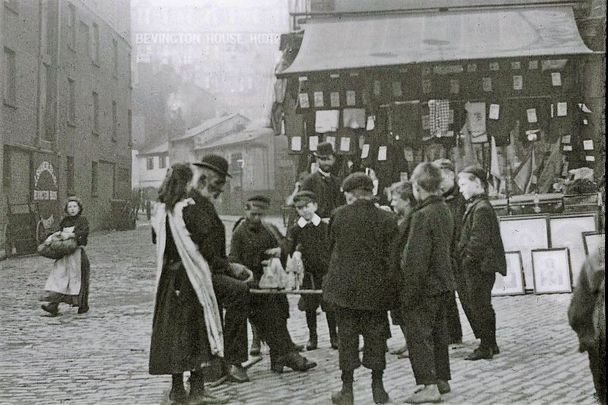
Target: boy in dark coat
[309, 237]
[480, 255]
[427, 285]
[359, 283]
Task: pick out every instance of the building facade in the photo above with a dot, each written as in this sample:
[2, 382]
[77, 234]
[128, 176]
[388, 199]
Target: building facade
[65, 114]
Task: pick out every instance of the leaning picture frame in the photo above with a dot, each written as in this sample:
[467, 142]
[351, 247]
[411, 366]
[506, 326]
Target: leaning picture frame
[551, 271]
[594, 242]
[513, 282]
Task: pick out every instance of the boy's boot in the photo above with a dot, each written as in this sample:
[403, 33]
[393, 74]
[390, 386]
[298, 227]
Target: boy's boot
[345, 395]
[311, 322]
[378, 392]
[333, 329]
[178, 392]
[198, 395]
[52, 308]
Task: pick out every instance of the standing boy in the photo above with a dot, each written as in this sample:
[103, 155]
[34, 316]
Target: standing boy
[309, 237]
[427, 285]
[360, 284]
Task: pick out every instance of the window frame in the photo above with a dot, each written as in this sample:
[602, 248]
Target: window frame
[10, 81]
[71, 102]
[95, 113]
[71, 24]
[94, 179]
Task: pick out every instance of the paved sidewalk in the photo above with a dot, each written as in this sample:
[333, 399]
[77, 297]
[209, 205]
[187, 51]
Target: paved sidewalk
[102, 357]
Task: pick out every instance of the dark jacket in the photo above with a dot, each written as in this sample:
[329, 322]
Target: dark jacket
[327, 190]
[81, 228]
[249, 242]
[312, 242]
[457, 205]
[426, 264]
[359, 276]
[480, 246]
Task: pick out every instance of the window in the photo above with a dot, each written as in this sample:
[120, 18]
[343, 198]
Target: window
[130, 127]
[85, 38]
[10, 85]
[45, 41]
[114, 121]
[150, 163]
[162, 162]
[69, 168]
[94, 179]
[95, 44]
[72, 102]
[95, 113]
[72, 27]
[115, 57]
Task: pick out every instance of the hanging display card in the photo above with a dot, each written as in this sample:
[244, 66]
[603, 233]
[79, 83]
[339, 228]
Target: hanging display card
[331, 139]
[365, 151]
[533, 65]
[532, 118]
[334, 99]
[556, 79]
[371, 123]
[361, 141]
[326, 120]
[426, 86]
[515, 65]
[588, 144]
[590, 158]
[454, 86]
[426, 124]
[471, 67]
[313, 142]
[487, 84]
[345, 144]
[381, 153]
[566, 138]
[377, 88]
[397, 89]
[494, 66]
[318, 98]
[518, 82]
[296, 143]
[567, 148]
[350, 98]
[303, 100]
[562, 109]
[494, 111]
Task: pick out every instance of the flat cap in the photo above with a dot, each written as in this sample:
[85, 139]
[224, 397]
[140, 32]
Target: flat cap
[357, 180]
[445, 164]
[476, 171]
[304, 197]
[260, 201]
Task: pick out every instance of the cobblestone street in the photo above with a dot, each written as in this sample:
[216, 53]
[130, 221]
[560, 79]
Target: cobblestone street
[102, 357]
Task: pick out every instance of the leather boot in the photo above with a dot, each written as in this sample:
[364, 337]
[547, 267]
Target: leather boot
[378, 392]
[344, 396]
[198, 394]
[178, 392]
[312, 341]
[293, 360]
[52, 308]
[333, 330]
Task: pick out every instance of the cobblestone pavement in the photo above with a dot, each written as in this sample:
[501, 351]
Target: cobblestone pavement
[102, 357]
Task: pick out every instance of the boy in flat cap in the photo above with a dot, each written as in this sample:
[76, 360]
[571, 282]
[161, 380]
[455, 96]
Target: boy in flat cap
[253, 242]
[427, 285]
[360, 285]
[309, 237]
[481, 254]
[325, 185]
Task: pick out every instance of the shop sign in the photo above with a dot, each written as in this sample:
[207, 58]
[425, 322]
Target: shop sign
[45, 183]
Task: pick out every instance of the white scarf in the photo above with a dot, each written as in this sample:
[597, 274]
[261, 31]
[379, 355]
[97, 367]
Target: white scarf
[196, 267]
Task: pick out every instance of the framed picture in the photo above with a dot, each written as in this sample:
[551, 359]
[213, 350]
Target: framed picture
[513, 282]
[551, 271]
[522, 234]
[594, 242]
[566, 232]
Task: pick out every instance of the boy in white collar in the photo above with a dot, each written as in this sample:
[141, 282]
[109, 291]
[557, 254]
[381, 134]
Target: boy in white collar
[308, 236]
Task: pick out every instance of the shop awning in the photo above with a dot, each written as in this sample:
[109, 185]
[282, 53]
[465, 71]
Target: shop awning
[372, 41]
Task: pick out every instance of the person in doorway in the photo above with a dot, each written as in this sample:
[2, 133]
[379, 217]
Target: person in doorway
[254, 242]
[480, 254]
[309, 237]
[360, 285]
[427, 285]
[69, 280]
[187, 327]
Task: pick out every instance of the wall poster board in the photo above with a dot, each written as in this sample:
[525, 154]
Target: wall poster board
[594, 242]
[551, 271]
[513, 282]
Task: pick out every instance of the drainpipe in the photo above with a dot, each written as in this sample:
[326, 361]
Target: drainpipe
[57, 70]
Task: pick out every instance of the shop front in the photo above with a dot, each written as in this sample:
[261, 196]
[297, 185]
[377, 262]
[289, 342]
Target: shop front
[498, 87]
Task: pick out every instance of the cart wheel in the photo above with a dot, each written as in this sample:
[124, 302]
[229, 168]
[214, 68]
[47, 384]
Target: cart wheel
[8, 247]
[40, 232]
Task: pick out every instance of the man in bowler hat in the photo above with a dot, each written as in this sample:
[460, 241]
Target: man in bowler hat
[360, 285]
[325, 185]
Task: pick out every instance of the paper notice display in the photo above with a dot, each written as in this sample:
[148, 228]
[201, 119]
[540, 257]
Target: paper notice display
[566, 138]
[371, 122]
[518, 82]
[556, 79]
[533, 65]
[350, 98]
[381, 153]
[567, 148]
[562, 109]
[494, 111]
[588, 144]
[487, 84]
[454, 86]
[365, 151]
[344, 144]
[296, 143]
[532, 115]
[318, 98]
[397, 89]
[515, 65]
[377, 88]
[313, 141]
[334, 99]
[303, 100]
[590, 158]
[332, 140]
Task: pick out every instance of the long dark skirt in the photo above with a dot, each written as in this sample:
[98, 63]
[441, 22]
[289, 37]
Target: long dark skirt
[82, 299]
[179, 336]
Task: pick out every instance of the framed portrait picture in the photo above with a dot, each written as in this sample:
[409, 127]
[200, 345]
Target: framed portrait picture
[594, 242]
[522, 234]
[513, 282]
[551, 269]
[566, 232]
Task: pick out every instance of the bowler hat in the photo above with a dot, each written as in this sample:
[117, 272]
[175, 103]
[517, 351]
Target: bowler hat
[216, 163]
[324, 149]
[304, 197]
[476, 171]
[357, 180]
[444, 164]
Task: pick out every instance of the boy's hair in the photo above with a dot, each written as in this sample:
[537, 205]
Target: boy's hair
[428, 176]
[405, 191]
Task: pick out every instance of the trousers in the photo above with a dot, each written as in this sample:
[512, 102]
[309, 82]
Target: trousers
[372, 325]
[269, 315]
[463, 296]
[479, 296]
[427, 340]
[453, 320]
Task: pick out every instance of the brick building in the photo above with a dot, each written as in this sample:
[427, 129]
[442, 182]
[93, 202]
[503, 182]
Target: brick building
[65, 114]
